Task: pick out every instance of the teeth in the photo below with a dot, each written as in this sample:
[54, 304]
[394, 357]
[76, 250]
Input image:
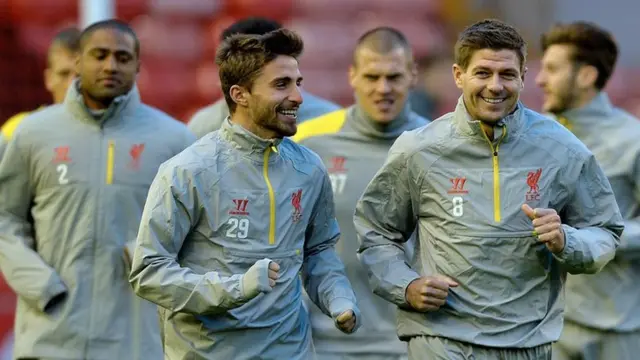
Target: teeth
[291, 113]
[493, 101]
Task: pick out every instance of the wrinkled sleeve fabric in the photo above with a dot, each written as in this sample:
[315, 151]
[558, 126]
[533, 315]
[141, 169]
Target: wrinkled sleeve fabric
[592, 222]
[323, 272]
[171, 210]
[35, 281]
[385, 218]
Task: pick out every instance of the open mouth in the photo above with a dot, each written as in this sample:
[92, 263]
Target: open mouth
[290, 113]
[494, 101]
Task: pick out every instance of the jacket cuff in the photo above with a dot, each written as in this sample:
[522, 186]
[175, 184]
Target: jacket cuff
[341, 304]
[53, 294]
[565, 257]
[400, 299]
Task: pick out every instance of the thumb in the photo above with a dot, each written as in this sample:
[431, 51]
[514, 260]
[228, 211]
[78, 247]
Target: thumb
[531, 213]
[448, 280]
[345, 316]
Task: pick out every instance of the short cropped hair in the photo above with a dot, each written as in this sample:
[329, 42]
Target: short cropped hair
[109, 24]
[252, 26]
[68, 39]
[489, 34]
[241, 58]
[592, 45]
[382, 40]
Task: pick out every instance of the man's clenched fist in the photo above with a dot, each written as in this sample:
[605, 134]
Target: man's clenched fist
[429, 293]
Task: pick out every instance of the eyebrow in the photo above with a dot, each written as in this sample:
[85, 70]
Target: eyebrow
[286, 78]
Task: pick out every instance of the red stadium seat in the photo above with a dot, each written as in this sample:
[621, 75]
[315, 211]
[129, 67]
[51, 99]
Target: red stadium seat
[43, 11]
[327, 42]
[207, 82]
[276, 9]
[36, 38]
[166, 84]
[129, 9]
[329, 9]
[186, 8]
[174, 40]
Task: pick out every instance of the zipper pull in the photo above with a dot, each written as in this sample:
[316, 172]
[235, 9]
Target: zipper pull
[274, 149]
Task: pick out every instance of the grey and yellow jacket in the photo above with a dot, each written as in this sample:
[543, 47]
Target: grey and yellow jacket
[211, 117]
[353, 147]
[610, 300]
[73, 188]
[224, 204]
[464, 193]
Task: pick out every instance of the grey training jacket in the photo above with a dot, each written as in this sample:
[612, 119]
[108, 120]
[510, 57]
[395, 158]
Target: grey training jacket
[353, 147]
[464, 193]
[225, 203]
[610, 300]
[83, 181]
[211, 117]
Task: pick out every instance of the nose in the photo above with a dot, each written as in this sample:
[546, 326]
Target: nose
[383, 86]
[540, 79]
[111, 64]
[296, 95]
[495, 84]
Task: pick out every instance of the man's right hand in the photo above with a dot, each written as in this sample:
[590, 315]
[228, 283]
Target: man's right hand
[261, 277]
[429, 293]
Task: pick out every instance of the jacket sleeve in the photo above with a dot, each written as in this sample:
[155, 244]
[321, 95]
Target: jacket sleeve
[35, 281]
[171, 210]
[385, 218]
[630, 241]
[592, 222]
[323, 272]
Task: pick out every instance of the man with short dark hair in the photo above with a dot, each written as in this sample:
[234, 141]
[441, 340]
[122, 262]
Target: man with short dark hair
[211, 117]
[58, 75]
[232, 221]
[353, 143]
[505, 203]
[73, 183]
[602, 315]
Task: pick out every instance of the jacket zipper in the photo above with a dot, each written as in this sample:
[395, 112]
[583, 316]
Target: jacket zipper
[272, 196]
[497, 215]
[110, 161]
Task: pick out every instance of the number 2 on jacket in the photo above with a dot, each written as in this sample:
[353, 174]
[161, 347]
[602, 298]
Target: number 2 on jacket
[238, 228]
[62, 174]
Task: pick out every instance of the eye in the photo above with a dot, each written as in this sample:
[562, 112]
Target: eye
[482, 73]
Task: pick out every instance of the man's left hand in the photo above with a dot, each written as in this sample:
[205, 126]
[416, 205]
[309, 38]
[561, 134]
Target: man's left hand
[547, 227]
[346, 321]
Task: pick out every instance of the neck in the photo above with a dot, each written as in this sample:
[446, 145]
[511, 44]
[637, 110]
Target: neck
[94, 104]
[585, 99]
[488, 129]
[243, 119]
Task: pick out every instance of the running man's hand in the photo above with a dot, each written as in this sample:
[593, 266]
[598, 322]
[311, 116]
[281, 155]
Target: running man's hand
[547, 227]
[346, 321]
[260, 278]
[429, 293]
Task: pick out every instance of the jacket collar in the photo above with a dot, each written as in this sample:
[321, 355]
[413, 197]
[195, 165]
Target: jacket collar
[362, 123]
[246, 142]
[506, 127]
[120, 107]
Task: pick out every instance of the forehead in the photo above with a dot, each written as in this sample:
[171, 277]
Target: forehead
[558, 53]
[281, 67]
[495, 59]
[110, 39]
[61, 57]
[370, 61]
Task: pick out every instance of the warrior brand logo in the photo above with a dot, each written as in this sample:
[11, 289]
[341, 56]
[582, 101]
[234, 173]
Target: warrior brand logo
[337, 164]
[61, 154]
[136, 152]
[241, 207]
[296, 198]
[457, 185]
[532, 180]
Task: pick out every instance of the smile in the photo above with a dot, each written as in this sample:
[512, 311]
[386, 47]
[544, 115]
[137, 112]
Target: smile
[494, 100]
[289, 113]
